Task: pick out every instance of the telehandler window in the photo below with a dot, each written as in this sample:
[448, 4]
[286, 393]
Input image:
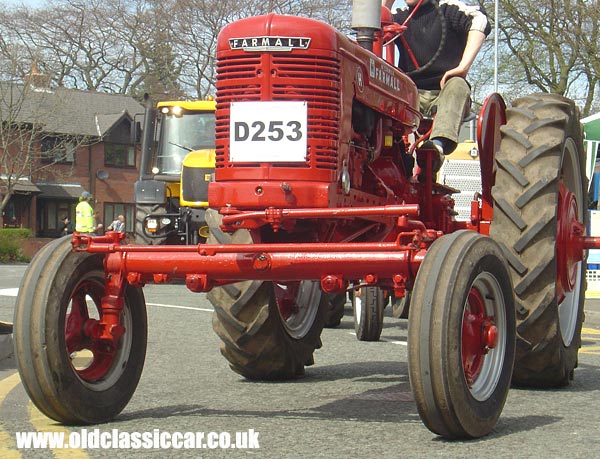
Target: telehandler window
[182, 134]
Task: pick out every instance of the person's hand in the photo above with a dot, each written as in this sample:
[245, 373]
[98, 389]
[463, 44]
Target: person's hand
[457, 71]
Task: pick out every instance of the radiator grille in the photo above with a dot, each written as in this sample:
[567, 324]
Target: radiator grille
[291, 77]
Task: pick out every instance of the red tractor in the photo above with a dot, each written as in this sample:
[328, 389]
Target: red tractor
[315, 196]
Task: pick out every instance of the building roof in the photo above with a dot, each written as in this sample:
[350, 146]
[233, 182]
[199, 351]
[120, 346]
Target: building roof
[60, 190]
[66, 111]
[591, 125]
[25, 186]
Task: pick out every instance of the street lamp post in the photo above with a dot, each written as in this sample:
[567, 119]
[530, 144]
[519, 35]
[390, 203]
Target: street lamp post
[495, 45]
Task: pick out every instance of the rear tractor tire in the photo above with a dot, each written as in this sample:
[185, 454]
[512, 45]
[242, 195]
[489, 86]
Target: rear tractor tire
[269, 331]
[539, 163]
[334, 304]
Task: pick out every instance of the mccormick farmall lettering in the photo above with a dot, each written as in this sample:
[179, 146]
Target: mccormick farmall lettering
[269, 43]
[383, 74]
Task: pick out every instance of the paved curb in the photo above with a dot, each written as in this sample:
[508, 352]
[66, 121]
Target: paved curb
[6, 343]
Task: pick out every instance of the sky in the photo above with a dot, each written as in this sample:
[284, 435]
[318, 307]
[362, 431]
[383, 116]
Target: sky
[397, 3]
[23, 2]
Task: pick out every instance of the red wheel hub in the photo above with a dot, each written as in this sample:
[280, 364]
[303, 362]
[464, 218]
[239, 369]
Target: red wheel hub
[569, 242]
[80, 334]
[479, 335]
[285, 295]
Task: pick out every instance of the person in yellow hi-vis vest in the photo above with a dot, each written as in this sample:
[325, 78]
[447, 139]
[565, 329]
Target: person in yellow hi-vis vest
[84, 214]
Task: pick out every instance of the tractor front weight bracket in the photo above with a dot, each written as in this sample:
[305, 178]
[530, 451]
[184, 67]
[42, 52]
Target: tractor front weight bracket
[109, 328]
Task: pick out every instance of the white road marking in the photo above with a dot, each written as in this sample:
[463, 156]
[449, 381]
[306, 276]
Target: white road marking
[403, 343]
[178, 307]
[15, 292]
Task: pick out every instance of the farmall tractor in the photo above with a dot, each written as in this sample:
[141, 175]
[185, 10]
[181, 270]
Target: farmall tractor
[315, 194]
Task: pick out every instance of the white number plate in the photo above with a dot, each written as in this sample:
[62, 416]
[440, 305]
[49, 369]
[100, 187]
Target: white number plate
[268, 131]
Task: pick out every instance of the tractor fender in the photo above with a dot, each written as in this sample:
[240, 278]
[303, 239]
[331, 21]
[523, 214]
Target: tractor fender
[491, 116]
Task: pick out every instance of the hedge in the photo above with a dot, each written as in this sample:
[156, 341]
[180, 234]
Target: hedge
[11, 244]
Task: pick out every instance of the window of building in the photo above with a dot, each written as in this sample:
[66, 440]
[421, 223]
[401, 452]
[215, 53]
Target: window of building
[51, 220]
[119, 155]
[112, 210]
[57, 150]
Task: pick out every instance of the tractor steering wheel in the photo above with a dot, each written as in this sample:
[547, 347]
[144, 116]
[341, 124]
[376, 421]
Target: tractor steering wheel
[399, 29]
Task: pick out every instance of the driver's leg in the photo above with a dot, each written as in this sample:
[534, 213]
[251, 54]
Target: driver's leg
[453, 103]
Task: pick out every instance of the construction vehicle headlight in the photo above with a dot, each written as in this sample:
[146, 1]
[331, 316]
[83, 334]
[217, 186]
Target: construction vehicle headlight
[155, 170]
[473, 152]
[165, 221]
[151, 224]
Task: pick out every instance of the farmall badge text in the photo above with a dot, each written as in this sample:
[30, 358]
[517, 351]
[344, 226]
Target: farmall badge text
[269, 43]
[384, 75]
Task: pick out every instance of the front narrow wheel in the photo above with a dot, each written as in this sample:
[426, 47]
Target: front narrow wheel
[368, 303]
[461, 335]
[71, 376]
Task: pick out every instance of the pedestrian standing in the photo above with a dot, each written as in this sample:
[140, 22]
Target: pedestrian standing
[85, 216]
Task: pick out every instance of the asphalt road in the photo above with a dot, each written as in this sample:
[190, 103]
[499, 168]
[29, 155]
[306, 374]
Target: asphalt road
[354, 402]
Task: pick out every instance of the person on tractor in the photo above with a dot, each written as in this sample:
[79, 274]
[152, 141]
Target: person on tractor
[438, 55]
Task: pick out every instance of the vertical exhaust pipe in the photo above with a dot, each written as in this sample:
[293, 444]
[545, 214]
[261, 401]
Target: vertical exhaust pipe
[366, 19]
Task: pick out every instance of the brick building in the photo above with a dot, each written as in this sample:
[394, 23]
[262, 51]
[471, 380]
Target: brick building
[104, 163]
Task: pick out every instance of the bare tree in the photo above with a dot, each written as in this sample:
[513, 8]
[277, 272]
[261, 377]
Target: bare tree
[197, 23]
[166, 48]
[92, 45]
[549, 45]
